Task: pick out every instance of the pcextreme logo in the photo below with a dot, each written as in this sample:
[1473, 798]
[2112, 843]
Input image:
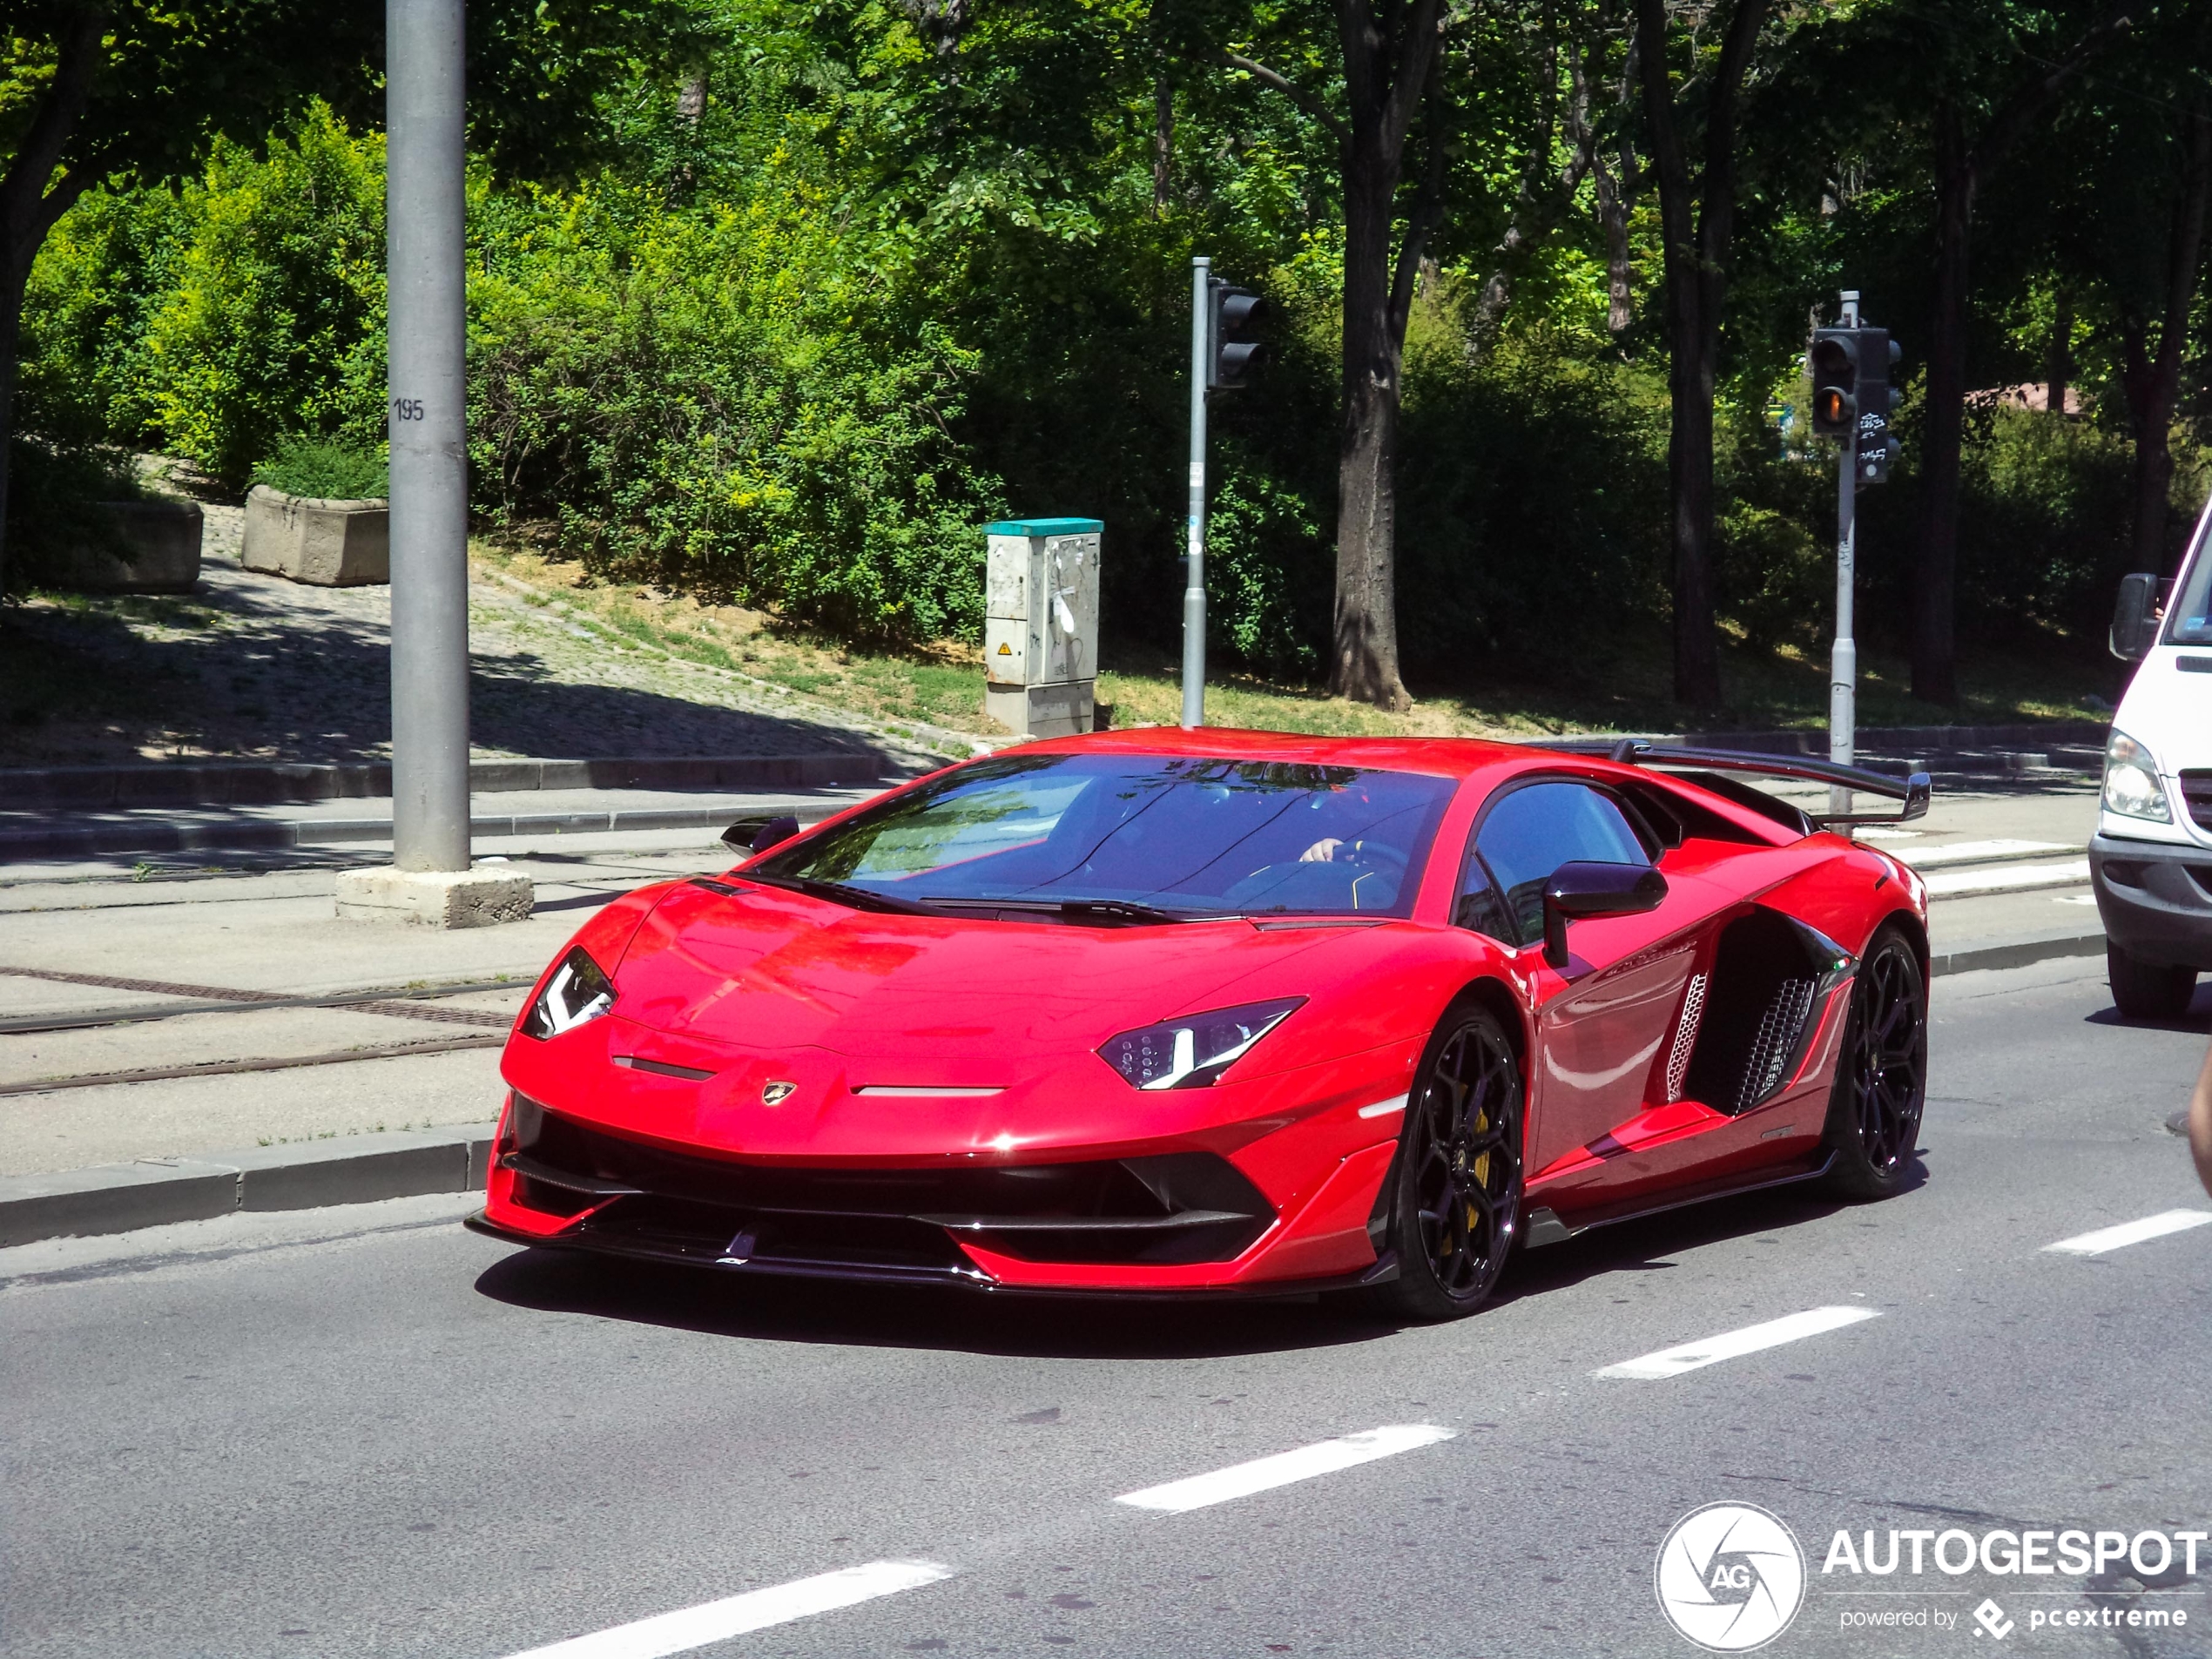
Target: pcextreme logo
[1729, 1577]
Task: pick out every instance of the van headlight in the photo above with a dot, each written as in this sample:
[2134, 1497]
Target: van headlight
[2132, 788]
[578, 992]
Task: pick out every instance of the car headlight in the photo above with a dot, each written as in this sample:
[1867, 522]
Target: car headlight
[1190, 1053]
[578, 992]
[2132, 788]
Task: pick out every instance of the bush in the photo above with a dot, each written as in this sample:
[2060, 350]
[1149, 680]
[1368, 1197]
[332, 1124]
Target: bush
[275, 321]
[739, 399]
[306, 467]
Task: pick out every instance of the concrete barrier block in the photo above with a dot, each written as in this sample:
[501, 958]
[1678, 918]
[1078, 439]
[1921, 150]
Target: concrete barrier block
[482, 897]
[328, 544]
[159, 552]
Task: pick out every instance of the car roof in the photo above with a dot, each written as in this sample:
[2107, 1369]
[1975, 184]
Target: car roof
[1439, 757]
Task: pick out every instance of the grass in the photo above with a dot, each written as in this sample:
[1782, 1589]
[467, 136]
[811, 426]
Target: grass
[1605, 686]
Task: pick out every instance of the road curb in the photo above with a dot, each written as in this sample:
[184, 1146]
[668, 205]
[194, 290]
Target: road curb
[293, 783]
[1986, 958]
[153, 1192]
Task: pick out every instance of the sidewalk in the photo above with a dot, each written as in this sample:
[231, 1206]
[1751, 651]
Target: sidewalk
[122, 837]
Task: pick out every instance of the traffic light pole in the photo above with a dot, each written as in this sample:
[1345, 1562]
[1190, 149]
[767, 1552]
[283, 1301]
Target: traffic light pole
[1194, 589]
[1843, 660]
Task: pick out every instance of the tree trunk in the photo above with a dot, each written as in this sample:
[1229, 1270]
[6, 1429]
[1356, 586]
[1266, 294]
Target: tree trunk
[1961, 163]
[2153, 383]
[1163, 141]
[1935, 675]
[1697, 223]
[32, 198]
[14, 273]
[1364, 663]
[1612, 216]
[1388, 72]
[2058, 374]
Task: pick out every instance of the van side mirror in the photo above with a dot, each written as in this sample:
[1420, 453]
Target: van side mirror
[2135, 616]
[1587, 888]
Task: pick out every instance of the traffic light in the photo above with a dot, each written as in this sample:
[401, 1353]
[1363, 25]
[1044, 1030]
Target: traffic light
[1234, 316]
[1835, 364]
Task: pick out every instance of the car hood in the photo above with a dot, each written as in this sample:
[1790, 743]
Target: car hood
[766, 969]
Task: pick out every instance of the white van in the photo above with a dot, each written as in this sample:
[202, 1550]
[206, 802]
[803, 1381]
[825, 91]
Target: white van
[2151, 858]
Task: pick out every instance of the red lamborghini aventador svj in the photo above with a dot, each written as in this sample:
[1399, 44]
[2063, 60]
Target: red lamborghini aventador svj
[1162, 1012]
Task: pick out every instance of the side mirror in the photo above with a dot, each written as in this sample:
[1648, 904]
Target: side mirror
[1584, 889]
[758, 835]
[2135, 616]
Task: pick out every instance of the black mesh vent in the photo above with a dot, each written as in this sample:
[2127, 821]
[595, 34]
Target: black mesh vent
[1185, 1207]
[2196, 791]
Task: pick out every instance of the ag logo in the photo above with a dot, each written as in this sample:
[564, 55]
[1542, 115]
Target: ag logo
[1730, 1577]
[776, 1094]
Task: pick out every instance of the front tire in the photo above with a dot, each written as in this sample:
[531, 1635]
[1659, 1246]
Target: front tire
[2143, 990]
[1882, 1077]
[1456, 1184]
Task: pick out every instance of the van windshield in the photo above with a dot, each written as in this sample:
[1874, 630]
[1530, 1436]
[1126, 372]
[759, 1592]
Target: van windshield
[2189, 613]
[1183, 834]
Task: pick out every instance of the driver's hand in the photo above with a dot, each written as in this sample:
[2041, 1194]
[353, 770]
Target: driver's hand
[1321, 851]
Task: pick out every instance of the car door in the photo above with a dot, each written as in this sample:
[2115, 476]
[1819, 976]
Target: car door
[1602, 1021]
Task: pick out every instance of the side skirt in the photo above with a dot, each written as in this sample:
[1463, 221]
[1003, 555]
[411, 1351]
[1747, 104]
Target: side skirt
[1546, 1228]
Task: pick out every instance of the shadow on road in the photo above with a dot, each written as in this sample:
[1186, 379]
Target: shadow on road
[768, 1310]
[765, 1310]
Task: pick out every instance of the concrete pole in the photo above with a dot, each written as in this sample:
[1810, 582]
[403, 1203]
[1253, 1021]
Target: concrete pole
[1194, 590]
[1843, 660]
[426, 163]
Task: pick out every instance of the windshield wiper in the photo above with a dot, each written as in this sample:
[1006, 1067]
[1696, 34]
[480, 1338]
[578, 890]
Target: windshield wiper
[1107, 910]
[840, 893]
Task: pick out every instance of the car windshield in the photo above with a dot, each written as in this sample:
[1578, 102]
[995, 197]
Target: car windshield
[2190, 612]
[1183, 834]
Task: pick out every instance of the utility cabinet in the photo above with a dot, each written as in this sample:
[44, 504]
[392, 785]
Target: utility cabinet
[1041, 625]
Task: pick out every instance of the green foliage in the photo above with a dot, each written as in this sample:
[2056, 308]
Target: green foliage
[275, 320]
[331, 471]
[735, 399]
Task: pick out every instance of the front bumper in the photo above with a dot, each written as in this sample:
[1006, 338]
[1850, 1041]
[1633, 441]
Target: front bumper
[2155, 899]
[1179, 1222]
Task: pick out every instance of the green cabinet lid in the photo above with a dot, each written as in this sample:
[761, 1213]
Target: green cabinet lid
[1045, 527]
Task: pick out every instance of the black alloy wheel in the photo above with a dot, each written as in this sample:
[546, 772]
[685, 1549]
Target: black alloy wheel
[1882, 1076]
[1455, 1211]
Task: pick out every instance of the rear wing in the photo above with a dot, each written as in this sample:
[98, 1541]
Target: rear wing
[1912, 792]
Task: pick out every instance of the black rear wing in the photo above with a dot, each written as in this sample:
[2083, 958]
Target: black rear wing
[1912, 792]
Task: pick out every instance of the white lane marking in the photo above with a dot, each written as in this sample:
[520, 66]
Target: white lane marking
[1384, 1108]
[2131, 1232]
[2007, 878]
[1241, 1479]
[1731, 1344]
[1927, 858]
[694, 1626]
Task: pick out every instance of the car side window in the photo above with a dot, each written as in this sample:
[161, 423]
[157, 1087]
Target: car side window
[1528, 833]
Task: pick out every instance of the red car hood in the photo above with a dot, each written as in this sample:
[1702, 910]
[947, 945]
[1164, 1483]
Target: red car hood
[766, 969]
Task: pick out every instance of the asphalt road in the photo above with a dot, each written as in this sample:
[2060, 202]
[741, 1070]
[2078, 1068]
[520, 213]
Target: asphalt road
[366, 1432]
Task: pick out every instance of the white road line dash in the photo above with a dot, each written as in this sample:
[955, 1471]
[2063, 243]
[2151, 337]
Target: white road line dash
[2131, 1232]
[1731, 1344]
[1241, 1480]
[694, 1626]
